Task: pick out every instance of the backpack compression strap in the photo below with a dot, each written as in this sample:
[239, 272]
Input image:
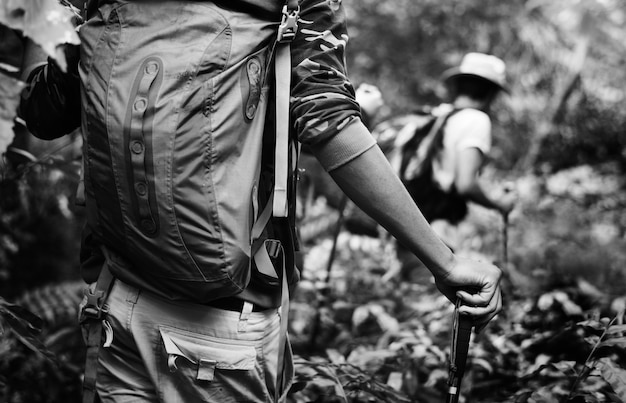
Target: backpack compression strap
[286, 33]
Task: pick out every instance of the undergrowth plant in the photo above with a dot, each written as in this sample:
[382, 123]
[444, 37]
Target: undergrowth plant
[41, 355]
[379, 338]
[392, 339]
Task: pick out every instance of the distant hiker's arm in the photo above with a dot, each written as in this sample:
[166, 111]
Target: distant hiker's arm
[50, 105]
[467, 184]
[34, 56]
[370, 182]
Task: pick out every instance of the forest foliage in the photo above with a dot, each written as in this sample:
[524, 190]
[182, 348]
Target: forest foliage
[563, 58]
[360, 333]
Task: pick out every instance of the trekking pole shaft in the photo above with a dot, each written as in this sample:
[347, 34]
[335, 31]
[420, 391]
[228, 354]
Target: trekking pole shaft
[340, 219]
[316, 321]
[505, 239]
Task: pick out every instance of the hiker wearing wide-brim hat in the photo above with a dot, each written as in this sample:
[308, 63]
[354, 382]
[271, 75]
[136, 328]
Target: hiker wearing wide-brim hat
[467, 139]
[479, 65]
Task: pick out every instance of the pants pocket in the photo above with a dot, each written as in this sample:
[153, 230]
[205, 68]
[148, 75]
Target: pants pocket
[198, 367]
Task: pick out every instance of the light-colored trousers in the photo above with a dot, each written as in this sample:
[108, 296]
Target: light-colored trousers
[167, 351]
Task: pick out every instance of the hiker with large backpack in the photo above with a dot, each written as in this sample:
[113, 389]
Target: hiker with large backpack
[445, 149]
[473, 86]
[188, 182]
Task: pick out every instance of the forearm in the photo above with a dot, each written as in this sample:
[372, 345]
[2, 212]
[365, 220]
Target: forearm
[363, 173]
[371, 184]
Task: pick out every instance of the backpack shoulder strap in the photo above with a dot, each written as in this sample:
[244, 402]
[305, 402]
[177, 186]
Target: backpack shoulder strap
[280, 205]
[428, 146]
[286, 32]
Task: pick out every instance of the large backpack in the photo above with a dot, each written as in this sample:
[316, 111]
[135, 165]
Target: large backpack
[177, 184]
[410, 142]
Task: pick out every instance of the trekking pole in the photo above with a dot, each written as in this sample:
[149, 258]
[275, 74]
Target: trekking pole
[505, 240]
[331, 259]
[508, 187]
[459, 347]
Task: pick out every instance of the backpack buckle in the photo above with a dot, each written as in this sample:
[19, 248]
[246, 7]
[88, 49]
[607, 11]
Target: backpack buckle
[93, 308]
[274, 247]
[289, 24]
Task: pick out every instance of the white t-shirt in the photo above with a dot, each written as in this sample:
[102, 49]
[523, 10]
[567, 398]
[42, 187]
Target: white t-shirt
[468, 128]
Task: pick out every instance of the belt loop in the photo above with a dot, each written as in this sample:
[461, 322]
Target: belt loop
[243, 318]
[132, 295]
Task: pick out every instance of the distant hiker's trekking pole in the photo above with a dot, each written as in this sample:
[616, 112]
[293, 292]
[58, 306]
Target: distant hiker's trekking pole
[505, 240]
[508, 187]
[459, 347]
[323, 297]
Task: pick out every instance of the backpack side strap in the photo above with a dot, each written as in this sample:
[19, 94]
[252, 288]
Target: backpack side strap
[93, 314]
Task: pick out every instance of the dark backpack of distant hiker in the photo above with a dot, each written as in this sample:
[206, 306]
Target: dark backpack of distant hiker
[410, 142]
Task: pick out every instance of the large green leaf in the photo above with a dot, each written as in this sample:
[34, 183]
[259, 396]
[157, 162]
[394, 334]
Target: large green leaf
[615, 376]
[45, 21]
[25, 326]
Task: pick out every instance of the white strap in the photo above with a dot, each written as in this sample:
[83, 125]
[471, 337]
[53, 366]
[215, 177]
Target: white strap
[264, 263]
[281, 161]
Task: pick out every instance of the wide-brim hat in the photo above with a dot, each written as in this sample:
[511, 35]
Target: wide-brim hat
[488, 67]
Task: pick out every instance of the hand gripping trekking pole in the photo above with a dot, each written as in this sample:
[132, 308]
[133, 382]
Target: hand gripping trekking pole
[459, 346]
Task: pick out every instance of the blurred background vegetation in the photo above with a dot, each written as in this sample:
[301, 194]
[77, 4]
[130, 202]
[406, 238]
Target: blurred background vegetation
[565, 64]
[559, 135]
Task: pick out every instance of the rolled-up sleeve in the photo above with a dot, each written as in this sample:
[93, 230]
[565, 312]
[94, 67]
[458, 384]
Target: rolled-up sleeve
[324, 111]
